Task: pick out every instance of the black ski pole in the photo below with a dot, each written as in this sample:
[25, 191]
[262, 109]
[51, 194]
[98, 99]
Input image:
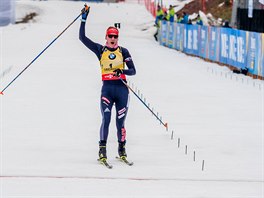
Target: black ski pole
[83, 10]
[159, 119]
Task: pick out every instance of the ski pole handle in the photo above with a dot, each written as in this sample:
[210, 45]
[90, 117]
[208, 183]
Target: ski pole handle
[86, 9]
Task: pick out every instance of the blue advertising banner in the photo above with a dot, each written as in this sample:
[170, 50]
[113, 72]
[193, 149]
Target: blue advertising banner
[185, 37]
[259, 52]
[241, 49]
[261, 70]
[163, 33]
[195, 40]
[167, 33]
[224, 45]
[233, 47]
[7, 12]
[236, 48]
[171, 34]
[174, 36]
[213, 44]
[191, 44]
[254, 53]
[179, 36]
[252, 40]
[203, 41]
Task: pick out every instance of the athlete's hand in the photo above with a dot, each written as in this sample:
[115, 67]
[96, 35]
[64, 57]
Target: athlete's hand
[118, 72]
[85, 11]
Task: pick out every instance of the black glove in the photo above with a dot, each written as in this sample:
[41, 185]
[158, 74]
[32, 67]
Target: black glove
[118, 72]
[85, 12]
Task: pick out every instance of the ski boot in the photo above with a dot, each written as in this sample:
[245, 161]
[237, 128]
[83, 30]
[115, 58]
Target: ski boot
[102, 151]
[102, 155]
[122, 153]
[122, 149]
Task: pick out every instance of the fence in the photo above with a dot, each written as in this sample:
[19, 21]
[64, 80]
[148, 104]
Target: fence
[236, 48]
[7, 12]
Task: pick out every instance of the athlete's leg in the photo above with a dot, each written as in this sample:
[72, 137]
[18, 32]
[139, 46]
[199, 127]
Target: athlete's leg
[106, 108]
[121, 103]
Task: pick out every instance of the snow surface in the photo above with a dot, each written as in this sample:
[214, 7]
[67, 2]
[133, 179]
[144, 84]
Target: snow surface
[50, 115]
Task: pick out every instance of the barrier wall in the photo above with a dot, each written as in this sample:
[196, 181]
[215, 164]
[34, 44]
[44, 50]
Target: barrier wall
[7, 12]
[237, 48]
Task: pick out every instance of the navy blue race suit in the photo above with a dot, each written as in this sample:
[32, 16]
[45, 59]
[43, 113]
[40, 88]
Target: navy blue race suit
[114, 91]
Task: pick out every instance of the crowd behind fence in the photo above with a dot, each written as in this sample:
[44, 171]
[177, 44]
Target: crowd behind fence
[236, 48]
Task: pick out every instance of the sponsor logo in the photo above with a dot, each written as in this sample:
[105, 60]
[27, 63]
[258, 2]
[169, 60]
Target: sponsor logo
[121, 116]
[109, 76]
[106, 110]
[128, 59]
[106, 100]
[105, 103]
[123, 133]
[108, 69]
[112, 56]
[122, 111]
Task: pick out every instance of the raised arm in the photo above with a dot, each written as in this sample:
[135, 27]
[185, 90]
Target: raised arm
[94, 47]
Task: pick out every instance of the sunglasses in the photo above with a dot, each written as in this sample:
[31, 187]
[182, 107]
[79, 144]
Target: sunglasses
[112, 36]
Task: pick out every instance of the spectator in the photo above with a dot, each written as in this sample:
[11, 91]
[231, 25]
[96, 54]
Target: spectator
[226, 24]
[179, 18]
[199, 20]
[159, 17]
[171, 13]
[185, 18]
[166, 16]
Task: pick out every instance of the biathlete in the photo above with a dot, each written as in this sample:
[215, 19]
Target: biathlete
[113, 59]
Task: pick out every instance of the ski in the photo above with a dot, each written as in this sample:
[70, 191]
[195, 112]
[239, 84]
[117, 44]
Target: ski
[105, 163]
[124, 159]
